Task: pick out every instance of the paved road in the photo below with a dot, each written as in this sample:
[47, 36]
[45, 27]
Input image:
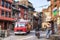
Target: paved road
[30, 36]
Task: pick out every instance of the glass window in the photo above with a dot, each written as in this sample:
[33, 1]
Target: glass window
[9, 6]
[13, 14]
[22, 24]
[2, 14]
[13, 5]
[18, 24]
[3, 3]
[6, 5]
[6, 14]
[10, 14]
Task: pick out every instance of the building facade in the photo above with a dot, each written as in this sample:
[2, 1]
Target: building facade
[15, 12]
[30, 13]
[23, 9]
[10, 11]
[54, 11]
[6, 18]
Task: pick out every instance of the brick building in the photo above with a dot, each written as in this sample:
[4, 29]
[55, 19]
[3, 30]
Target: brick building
[10, 11]
[30, 12]
[15, 12]
[23, 10]
[25, 6]
[6, 18]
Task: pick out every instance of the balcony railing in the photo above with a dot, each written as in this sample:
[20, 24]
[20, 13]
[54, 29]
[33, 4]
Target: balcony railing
[16, 9]
[30, 4]
[10, 1]
[23, 5]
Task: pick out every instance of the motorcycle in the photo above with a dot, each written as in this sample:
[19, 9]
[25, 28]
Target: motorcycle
[37, 33]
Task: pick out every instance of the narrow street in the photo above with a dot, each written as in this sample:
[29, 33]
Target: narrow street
[30, 36]
[27, 16]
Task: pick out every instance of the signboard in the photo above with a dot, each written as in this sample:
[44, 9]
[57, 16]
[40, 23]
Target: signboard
[55, 11]
[47, 16]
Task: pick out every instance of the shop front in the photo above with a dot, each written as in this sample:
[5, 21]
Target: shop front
[5, 27]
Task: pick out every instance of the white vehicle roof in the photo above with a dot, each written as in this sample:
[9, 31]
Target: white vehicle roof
[22, 20]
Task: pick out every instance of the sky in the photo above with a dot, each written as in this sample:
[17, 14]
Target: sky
[37, 4]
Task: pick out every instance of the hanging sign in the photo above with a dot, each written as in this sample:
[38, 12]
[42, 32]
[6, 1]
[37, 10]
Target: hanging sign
[55, 11]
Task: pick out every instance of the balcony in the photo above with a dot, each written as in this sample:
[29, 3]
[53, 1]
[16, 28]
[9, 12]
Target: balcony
[22, 5]
[15, 9]
[11, 1]
[6, 18]
[30, 4]
[31, 8]
[6, 9]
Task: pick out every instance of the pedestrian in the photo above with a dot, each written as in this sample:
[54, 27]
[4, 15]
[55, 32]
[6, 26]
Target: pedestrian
[52, 26]
[48, 30]
[37, 27]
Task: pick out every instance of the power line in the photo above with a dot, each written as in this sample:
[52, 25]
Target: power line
[42, 6]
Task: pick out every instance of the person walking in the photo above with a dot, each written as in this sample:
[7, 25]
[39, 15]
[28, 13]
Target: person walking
[37, 27]
[48, 30]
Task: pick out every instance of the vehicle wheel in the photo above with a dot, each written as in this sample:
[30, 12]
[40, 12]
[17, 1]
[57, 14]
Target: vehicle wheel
[38, 35]
[15, 34]
[25, 33]
[28, 32]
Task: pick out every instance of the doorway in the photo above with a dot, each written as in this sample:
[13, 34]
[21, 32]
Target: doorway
[5, 25]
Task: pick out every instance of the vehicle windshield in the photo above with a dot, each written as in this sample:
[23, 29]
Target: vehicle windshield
[22, 24]
[19, 24]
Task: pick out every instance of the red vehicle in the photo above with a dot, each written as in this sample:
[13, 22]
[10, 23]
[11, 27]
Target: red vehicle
[22, 27]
